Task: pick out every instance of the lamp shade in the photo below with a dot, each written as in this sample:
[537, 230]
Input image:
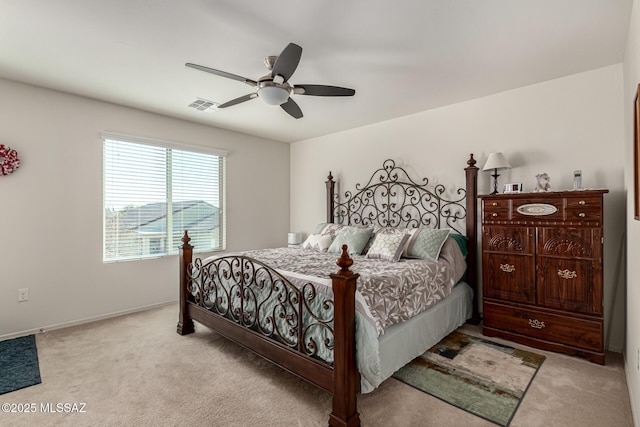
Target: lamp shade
[496, 161]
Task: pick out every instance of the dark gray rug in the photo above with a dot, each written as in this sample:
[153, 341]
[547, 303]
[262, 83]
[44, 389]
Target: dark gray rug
[480, 376]
[18, 364]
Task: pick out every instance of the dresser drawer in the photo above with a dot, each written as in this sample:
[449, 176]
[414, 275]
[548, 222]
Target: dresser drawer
[495, 215]
[538, 209]
[584, 209]
[577, 332]
[584, 202]
[495, 210]
[496, 204]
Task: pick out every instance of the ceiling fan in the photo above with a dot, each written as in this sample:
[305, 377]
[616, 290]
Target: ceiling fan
[274, 88]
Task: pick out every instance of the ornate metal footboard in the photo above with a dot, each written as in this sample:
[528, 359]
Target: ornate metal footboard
[303, 330]
[252, 295]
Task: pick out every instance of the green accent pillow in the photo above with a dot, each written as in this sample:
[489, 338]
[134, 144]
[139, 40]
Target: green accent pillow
[355, 238]
[427, 243]
[461, 240]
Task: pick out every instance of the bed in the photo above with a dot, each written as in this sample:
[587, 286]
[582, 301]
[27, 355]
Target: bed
[332, 327]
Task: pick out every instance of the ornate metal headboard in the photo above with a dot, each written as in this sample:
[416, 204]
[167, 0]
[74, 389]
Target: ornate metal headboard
[395, 199]
[391, 198]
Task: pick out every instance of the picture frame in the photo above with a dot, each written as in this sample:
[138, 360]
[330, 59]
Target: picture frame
[514, 187]
[636, 156]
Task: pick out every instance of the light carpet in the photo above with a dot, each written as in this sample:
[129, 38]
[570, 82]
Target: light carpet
[135, 370]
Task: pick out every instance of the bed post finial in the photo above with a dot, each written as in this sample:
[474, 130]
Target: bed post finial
[331, 185]
[344, 262]
[471, 162]
[185, 240]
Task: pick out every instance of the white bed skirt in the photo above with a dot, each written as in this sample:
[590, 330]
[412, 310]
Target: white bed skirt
[403, 342]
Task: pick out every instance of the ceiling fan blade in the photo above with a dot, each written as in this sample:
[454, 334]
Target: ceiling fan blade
[287, 62]
[292, 108]
[322, 90]
[243, 98]
[223, 74]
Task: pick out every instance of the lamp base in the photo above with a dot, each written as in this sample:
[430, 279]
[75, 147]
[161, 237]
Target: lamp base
[495, 181]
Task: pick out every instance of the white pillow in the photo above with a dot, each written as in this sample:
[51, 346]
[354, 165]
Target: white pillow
[318, 242]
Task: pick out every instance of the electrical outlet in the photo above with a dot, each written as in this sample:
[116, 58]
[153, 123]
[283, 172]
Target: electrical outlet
[23, 294]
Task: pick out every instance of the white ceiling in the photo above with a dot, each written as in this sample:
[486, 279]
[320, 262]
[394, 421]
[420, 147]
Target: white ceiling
[401, 57]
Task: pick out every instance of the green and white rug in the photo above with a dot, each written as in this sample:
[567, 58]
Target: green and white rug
[482, 377]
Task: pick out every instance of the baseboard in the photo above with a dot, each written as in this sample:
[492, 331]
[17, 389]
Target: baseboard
[615, 349]
[635, 408]
[85, 320]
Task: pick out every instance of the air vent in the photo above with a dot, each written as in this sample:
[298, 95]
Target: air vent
[204, 105]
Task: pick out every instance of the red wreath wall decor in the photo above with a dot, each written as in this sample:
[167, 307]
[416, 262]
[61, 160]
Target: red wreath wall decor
[9, 160]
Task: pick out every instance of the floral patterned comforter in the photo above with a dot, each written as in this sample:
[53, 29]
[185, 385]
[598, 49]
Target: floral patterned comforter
[393, 291]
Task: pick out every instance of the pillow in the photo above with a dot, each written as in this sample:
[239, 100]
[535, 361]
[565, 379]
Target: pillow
[413, 234]
[427, 243]
[318, 242]
[385, 230]
[452, 255]
[375, 229]
[388, 246]
[461, 240]
[355, 238]
[328, 228]
[319, 227]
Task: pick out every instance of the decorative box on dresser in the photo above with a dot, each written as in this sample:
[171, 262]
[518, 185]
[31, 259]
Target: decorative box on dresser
[542, 270]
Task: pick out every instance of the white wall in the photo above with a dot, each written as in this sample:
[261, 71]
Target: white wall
[557, 126]
[51, 208]
[632, 349]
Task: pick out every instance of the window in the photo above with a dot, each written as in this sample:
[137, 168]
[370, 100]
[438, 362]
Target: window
[153, 191]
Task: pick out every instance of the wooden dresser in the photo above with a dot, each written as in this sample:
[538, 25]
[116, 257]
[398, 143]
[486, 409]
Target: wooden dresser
[542, 270]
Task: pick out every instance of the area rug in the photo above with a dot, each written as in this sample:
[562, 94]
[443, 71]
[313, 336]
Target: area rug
[18, 364]
[482, 377]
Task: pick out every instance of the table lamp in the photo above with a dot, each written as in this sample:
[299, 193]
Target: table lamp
[496, 161]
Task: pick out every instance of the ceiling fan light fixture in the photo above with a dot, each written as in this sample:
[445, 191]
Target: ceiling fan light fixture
[273, 95]
[274, 88]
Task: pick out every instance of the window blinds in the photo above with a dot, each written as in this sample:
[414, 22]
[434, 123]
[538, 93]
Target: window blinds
[153, 192]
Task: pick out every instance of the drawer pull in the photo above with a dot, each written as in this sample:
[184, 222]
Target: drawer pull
[507, 268]
[582, 214]
[582, 202]
[535, 323]
[566, 274]
[494, 204]
[495, 214]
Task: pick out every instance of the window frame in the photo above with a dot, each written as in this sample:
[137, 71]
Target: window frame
[168, 233]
